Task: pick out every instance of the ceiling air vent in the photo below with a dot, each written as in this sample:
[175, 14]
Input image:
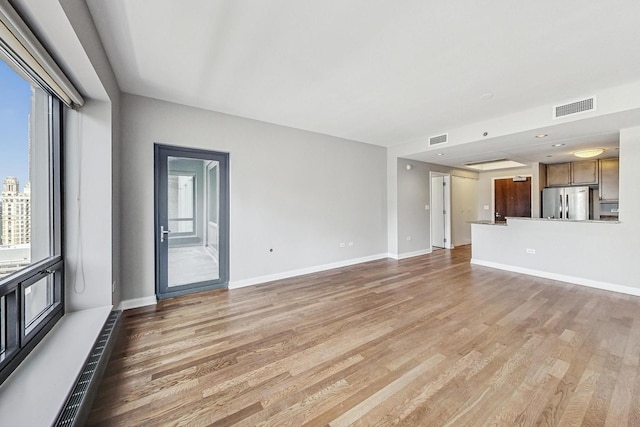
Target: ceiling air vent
[576, 107]
[440, 139]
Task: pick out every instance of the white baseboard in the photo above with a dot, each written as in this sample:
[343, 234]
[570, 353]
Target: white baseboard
[561, 277]
[287, 274]
[137, 302]
[412, 254]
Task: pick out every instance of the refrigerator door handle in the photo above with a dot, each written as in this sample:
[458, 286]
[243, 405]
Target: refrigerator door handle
[566, 206]
[560, 206]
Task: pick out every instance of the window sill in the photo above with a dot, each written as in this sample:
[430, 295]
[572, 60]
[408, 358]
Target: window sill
[35, 392]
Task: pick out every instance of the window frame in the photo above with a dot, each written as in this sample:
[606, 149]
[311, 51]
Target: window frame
[20, 341]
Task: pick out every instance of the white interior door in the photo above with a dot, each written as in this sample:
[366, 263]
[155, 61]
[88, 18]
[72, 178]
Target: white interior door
[438, 221]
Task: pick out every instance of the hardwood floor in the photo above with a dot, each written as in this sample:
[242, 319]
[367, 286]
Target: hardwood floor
[427, 341]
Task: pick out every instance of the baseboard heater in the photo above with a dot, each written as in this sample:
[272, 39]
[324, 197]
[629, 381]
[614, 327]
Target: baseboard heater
[76, 409]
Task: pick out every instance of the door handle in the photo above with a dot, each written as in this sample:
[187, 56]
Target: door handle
[163, 233]
[560, 206]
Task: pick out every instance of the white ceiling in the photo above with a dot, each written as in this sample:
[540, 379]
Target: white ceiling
[374, 71]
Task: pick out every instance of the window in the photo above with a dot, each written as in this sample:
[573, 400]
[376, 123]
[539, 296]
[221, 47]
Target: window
[182, 203]
[31, 263]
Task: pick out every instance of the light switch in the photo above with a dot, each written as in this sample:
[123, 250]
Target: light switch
[486, 207]
[426, 207]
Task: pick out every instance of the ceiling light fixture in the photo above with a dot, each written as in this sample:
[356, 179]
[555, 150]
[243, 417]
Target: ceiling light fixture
[542, 135]
[486, 96]
[409, 167]
[585, 154]
[440, 154]
[494, 164]
[558, 145]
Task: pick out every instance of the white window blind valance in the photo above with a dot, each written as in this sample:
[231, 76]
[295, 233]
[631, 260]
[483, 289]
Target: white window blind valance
[22, 45]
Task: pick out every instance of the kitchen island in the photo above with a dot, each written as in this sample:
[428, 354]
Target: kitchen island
[586, 252]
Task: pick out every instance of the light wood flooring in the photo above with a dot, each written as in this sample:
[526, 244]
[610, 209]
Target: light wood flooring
[427, 341]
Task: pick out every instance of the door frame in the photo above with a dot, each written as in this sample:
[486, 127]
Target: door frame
[493, 192]
[447, 207]
[160, 219]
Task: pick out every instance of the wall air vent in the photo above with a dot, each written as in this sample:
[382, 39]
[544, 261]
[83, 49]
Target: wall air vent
[440, 139]
[576, 107]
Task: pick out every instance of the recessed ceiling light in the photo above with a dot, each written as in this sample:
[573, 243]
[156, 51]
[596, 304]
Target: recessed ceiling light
[542, 135]
[440, 154]
[558, 145]
[585, 154]
[486, 96]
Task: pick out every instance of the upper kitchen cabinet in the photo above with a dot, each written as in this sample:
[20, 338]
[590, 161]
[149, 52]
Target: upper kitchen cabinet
[609, 180]
[574, 173]
[584, 172]
[559, 174]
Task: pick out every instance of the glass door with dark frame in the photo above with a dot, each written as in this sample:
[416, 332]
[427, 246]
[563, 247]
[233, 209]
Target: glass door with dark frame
[191, 195]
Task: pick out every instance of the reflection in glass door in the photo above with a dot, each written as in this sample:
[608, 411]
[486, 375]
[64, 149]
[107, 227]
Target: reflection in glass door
[191, 220]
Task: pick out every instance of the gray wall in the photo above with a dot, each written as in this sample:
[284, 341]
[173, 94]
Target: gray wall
[413, 219]
[88, 207]
[464, 208]
[598, 254]
[412, 196]
[297, 192]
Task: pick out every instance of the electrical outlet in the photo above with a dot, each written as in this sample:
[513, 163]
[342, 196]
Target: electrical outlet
[426, 207]
[350, 244]
[485, 207]
[531, 251]
[342, 245]
[408, 238]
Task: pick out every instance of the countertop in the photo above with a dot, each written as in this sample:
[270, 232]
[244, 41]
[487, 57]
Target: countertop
[487, 222]
[598, 221]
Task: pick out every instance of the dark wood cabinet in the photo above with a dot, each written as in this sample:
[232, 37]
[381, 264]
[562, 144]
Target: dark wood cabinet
[558, 174]
[572, 173]
[609, 179]
[584, 172]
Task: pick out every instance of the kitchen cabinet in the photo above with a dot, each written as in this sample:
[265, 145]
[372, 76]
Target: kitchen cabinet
[572, 173]
[584, 172]
[609, 179]
[558, 174]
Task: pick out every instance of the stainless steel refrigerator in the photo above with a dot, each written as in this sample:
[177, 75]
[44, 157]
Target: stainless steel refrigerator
[566, 202]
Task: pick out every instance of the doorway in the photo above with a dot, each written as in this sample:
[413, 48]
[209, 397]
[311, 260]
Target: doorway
[440, 185]
[512, 198]
[191, 220]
